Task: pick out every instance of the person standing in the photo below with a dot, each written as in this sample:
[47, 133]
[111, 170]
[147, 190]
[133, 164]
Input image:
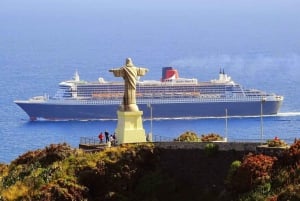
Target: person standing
[115, 139]
[106, 133]
[101, 137]
[111, 139]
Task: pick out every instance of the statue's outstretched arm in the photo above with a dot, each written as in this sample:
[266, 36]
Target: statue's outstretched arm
[142, 71]
[117, 72]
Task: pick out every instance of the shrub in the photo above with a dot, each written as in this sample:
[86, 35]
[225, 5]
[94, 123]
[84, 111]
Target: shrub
[282, 177]
[15, 192]
[293, 154]
[47, 156]
[211, 137]
[231, 172]
[289, 164]
[255, 170]
[291, 193]
[276, 142]
[188, 136]
[211, 149]
[62, 189]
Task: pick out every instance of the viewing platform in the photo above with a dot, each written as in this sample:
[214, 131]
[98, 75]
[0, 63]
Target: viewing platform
[89, 144]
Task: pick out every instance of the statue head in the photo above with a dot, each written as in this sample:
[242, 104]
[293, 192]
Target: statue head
[129, 62]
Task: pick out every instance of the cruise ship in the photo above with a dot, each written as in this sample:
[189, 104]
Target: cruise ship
[169, 97]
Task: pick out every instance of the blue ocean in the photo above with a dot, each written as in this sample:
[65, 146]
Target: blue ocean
[44, 42]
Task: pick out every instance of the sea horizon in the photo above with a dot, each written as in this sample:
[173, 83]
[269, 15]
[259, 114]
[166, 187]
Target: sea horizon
[44, 43]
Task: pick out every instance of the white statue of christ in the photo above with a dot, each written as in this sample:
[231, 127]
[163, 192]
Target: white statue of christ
[129, 72]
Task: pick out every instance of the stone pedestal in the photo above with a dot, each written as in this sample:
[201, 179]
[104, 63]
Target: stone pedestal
[130, 127]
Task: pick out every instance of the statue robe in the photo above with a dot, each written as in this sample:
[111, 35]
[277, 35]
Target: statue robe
[129, 74]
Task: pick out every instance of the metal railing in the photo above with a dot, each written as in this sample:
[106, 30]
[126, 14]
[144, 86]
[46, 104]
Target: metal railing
[161, 138]
[89, 140]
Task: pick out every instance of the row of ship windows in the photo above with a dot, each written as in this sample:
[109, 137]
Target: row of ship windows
[88, 91]
[121, 87]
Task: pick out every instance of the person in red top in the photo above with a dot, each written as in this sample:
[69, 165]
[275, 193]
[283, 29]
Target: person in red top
[101, 137]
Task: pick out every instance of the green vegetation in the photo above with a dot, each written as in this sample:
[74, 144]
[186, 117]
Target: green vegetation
[211, 149]
[137, 172]
[190, 136]
[211, 137]
[276, 142]
[261, 177]
[59, 172]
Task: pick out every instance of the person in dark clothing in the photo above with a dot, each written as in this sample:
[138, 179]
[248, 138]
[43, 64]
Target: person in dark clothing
[106, 133]
[115, 138]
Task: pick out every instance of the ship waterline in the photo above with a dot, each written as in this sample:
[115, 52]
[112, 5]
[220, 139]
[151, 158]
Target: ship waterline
[172, 97]
[53, 111]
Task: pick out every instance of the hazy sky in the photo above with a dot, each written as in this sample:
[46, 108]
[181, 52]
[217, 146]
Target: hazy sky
[132, 5]
[222, 26]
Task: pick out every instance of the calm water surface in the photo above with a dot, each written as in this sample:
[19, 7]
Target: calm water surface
[42, 44]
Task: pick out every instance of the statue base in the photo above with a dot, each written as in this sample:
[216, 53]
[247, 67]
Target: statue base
[130, 127]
